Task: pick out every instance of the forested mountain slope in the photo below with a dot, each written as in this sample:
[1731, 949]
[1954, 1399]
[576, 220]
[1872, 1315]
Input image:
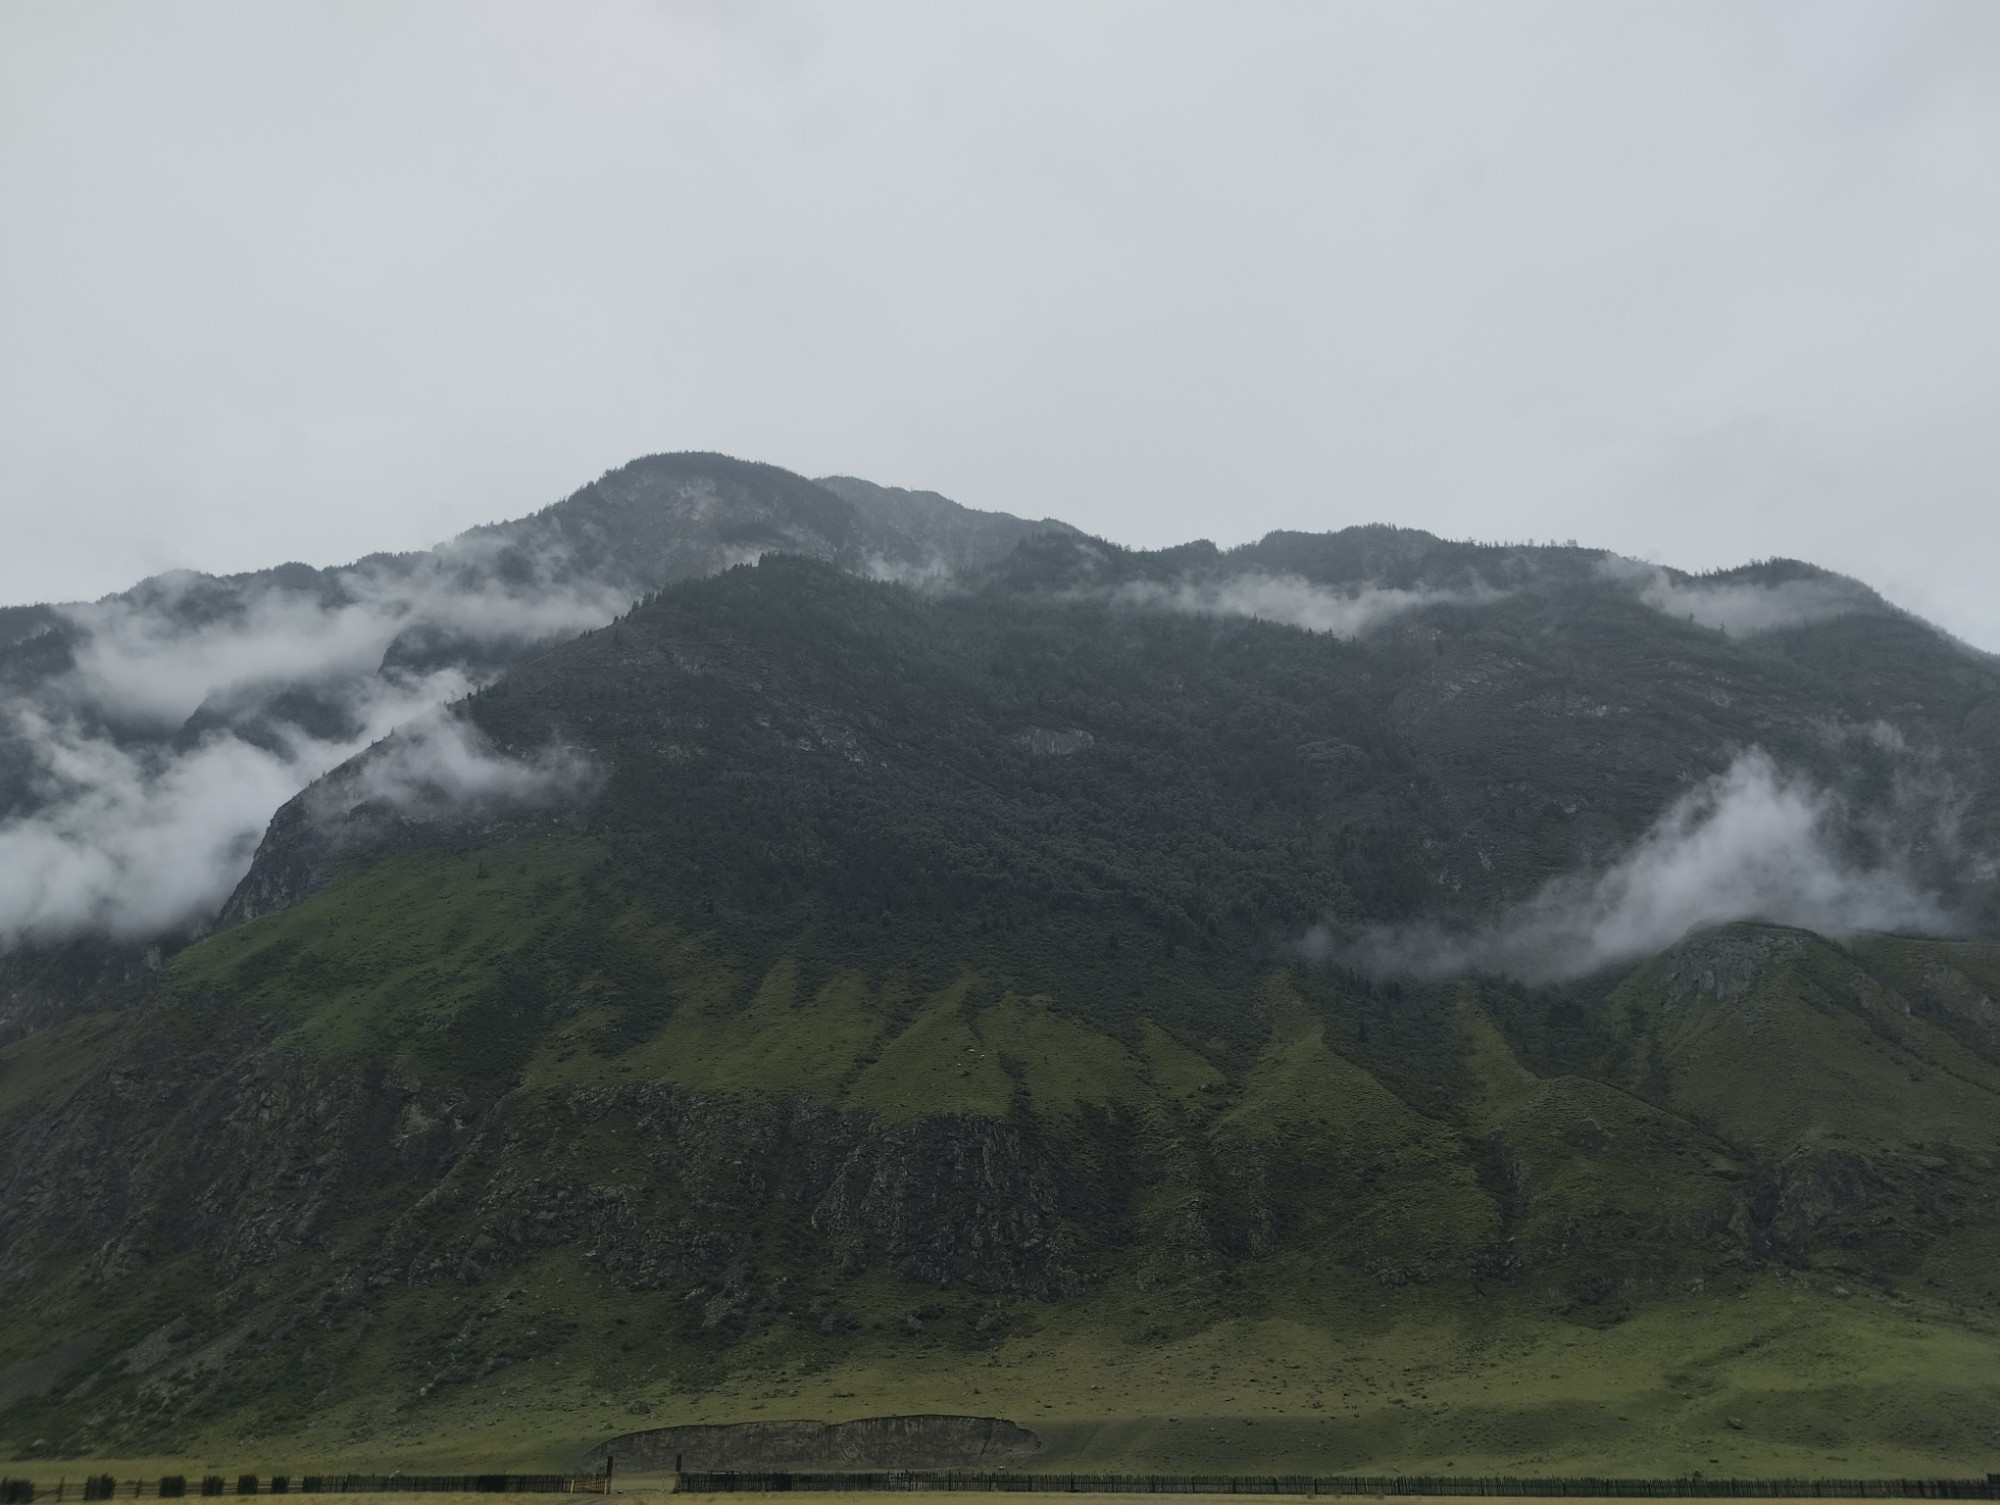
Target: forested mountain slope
[146, 738]
[1350, 1001]
[1087, 732]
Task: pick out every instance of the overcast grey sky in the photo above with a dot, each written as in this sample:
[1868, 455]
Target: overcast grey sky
[1698, 282]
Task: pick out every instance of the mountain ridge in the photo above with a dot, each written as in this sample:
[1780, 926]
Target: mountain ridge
[157, 721]
[1106, 990]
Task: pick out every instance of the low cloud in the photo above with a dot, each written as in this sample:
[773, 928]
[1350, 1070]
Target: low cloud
[156, 655]
[1293, 601]
[134, 816]
[134, 842]
[438, 763]
[1742, 608]
[929, 575]
[1752, 843]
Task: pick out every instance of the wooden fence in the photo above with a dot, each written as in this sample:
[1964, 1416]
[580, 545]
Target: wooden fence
[179, 1486]
[1691, 1488]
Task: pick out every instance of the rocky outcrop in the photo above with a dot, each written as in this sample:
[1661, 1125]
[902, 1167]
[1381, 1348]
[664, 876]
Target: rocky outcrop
[872, 1442]
[946, 1201]
[219, 1138]
[240, 1150]
[1725, 964]
[312, 1189]
[293, 861]
[1815, 1197]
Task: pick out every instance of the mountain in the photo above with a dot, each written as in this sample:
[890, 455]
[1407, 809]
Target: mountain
[149, 736]
[1353, 1001]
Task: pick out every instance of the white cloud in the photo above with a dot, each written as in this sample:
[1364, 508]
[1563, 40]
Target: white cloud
[152, 657]
[930, 575]
[1293, 601]
[1752, 843]
[1743, 608]
[132, 842]
[439, 762]
[132, 846]
[132, 836]
[1166, 270]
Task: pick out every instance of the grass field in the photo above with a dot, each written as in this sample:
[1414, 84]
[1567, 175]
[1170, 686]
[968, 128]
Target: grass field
[1781, 1377]
[922, 1497]
[1365, 1335]
[645, 1492]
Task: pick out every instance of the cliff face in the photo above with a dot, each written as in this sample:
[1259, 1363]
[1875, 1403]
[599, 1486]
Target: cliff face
[241, 1150]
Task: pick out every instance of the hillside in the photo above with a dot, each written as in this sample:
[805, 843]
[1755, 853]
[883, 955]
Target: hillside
[1355, 1000]
[146, 738]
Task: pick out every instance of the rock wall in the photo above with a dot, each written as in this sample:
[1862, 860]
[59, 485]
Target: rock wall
[871, 1442]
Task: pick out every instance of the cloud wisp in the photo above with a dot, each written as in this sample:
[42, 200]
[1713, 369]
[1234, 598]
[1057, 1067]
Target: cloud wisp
[1293, 601]
[437, 763]
[145, 774]
[156, 655]
[133, 842]
[1751, 843]
[1742, 608]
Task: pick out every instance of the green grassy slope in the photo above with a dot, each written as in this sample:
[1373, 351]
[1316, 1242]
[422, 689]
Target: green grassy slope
[1194, 1254]
[910, 1017]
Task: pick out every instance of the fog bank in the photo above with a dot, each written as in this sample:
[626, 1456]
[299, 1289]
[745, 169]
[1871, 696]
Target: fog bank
[140, 777]
[1293, 601]
[1751, 843]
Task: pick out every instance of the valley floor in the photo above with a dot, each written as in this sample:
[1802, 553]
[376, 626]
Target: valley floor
[1779, 1377]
